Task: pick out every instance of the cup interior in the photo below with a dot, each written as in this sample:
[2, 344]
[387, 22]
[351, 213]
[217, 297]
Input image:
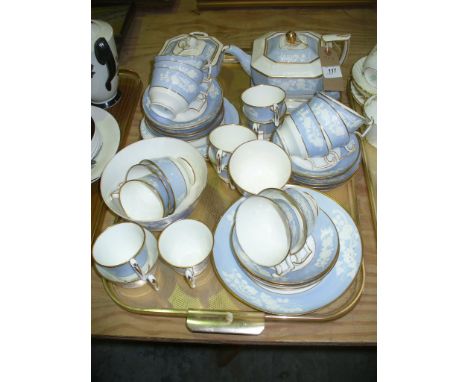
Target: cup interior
[118, 244]
[262, 231]
[185, 243]
[257, 165]
[263, 95]
[229, 137]
[140, 201]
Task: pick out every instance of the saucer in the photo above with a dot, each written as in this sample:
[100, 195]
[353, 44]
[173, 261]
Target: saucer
[110, 133]
[327, 290]
[231, 116]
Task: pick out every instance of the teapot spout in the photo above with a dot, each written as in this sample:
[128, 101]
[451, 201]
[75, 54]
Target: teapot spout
[243, 58]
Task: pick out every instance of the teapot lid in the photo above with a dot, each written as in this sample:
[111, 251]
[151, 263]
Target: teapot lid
[99, 29]
[198, 44]
[287, 54]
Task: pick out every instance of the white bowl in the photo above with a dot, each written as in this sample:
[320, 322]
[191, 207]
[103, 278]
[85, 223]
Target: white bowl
[262, 231]
[257, 165]
[116, 170]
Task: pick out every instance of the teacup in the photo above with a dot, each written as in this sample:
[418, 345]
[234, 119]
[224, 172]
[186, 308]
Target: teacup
[171, 92]
[222, 142]
[257, 165]
[330, 121]
[196, 62]
[154, 188]
[121, 254]
[189, 70]
[96, 140]
[262, 231]
[288, 137]
[311, 133]
[264, 103]
[350, 118]
[186, 245]
[370, 111]
[296, 220]
[369, 67]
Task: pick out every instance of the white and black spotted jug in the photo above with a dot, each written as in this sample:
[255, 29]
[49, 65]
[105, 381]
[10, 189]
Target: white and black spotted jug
[104, 65]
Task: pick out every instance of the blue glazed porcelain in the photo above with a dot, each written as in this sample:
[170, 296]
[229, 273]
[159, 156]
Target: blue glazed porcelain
[222, 142]
[289, 60]
[197, 46]
[263, 130]
[121, 249]
[330, 122]
[196, 62]
[328, 289]
[350, 118]
[177, 82]
[337, 162]
[163, 190]
[310, 130]
[328, 183]
[214, 102]
[264, 103]
[190, 71]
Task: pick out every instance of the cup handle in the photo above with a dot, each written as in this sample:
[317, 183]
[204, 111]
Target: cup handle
[255, 127]
[189, 169]
[116, 193]
[190, 277]
[219, 158]
[276, 114]
[370, 126]
[137, 269]
[150, 279]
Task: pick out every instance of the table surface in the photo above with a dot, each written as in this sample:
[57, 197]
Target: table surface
[145, 37]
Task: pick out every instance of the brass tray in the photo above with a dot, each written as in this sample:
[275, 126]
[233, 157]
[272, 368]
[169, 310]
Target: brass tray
[369, 160]
[210, 308]
[130, 87]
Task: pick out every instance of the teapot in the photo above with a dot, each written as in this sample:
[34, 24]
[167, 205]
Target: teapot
[289, 60]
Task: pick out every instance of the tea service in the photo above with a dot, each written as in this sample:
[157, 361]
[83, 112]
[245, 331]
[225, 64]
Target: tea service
[281, 249]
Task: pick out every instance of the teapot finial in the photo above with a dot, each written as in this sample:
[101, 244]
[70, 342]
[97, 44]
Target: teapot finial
[291, 37]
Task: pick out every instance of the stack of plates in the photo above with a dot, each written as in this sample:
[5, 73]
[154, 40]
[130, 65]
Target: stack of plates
[109, 132]
[361, 87]
[191, 126]
[347, 158]
[322, 278]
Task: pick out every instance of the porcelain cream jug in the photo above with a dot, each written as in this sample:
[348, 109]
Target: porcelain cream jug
[195, 46]
[104, 65]
[289, 60]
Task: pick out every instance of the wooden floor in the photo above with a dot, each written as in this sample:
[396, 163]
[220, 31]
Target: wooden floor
[147, 33]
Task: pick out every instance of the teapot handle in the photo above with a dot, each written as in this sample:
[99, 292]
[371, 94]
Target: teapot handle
[203, 34]
[329, 39]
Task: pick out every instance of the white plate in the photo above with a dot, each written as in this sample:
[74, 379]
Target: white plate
[358, 77]
[110, 133]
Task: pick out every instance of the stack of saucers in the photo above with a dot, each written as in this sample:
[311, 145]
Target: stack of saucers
[363, 82]
[320, 138]
[288, 251]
